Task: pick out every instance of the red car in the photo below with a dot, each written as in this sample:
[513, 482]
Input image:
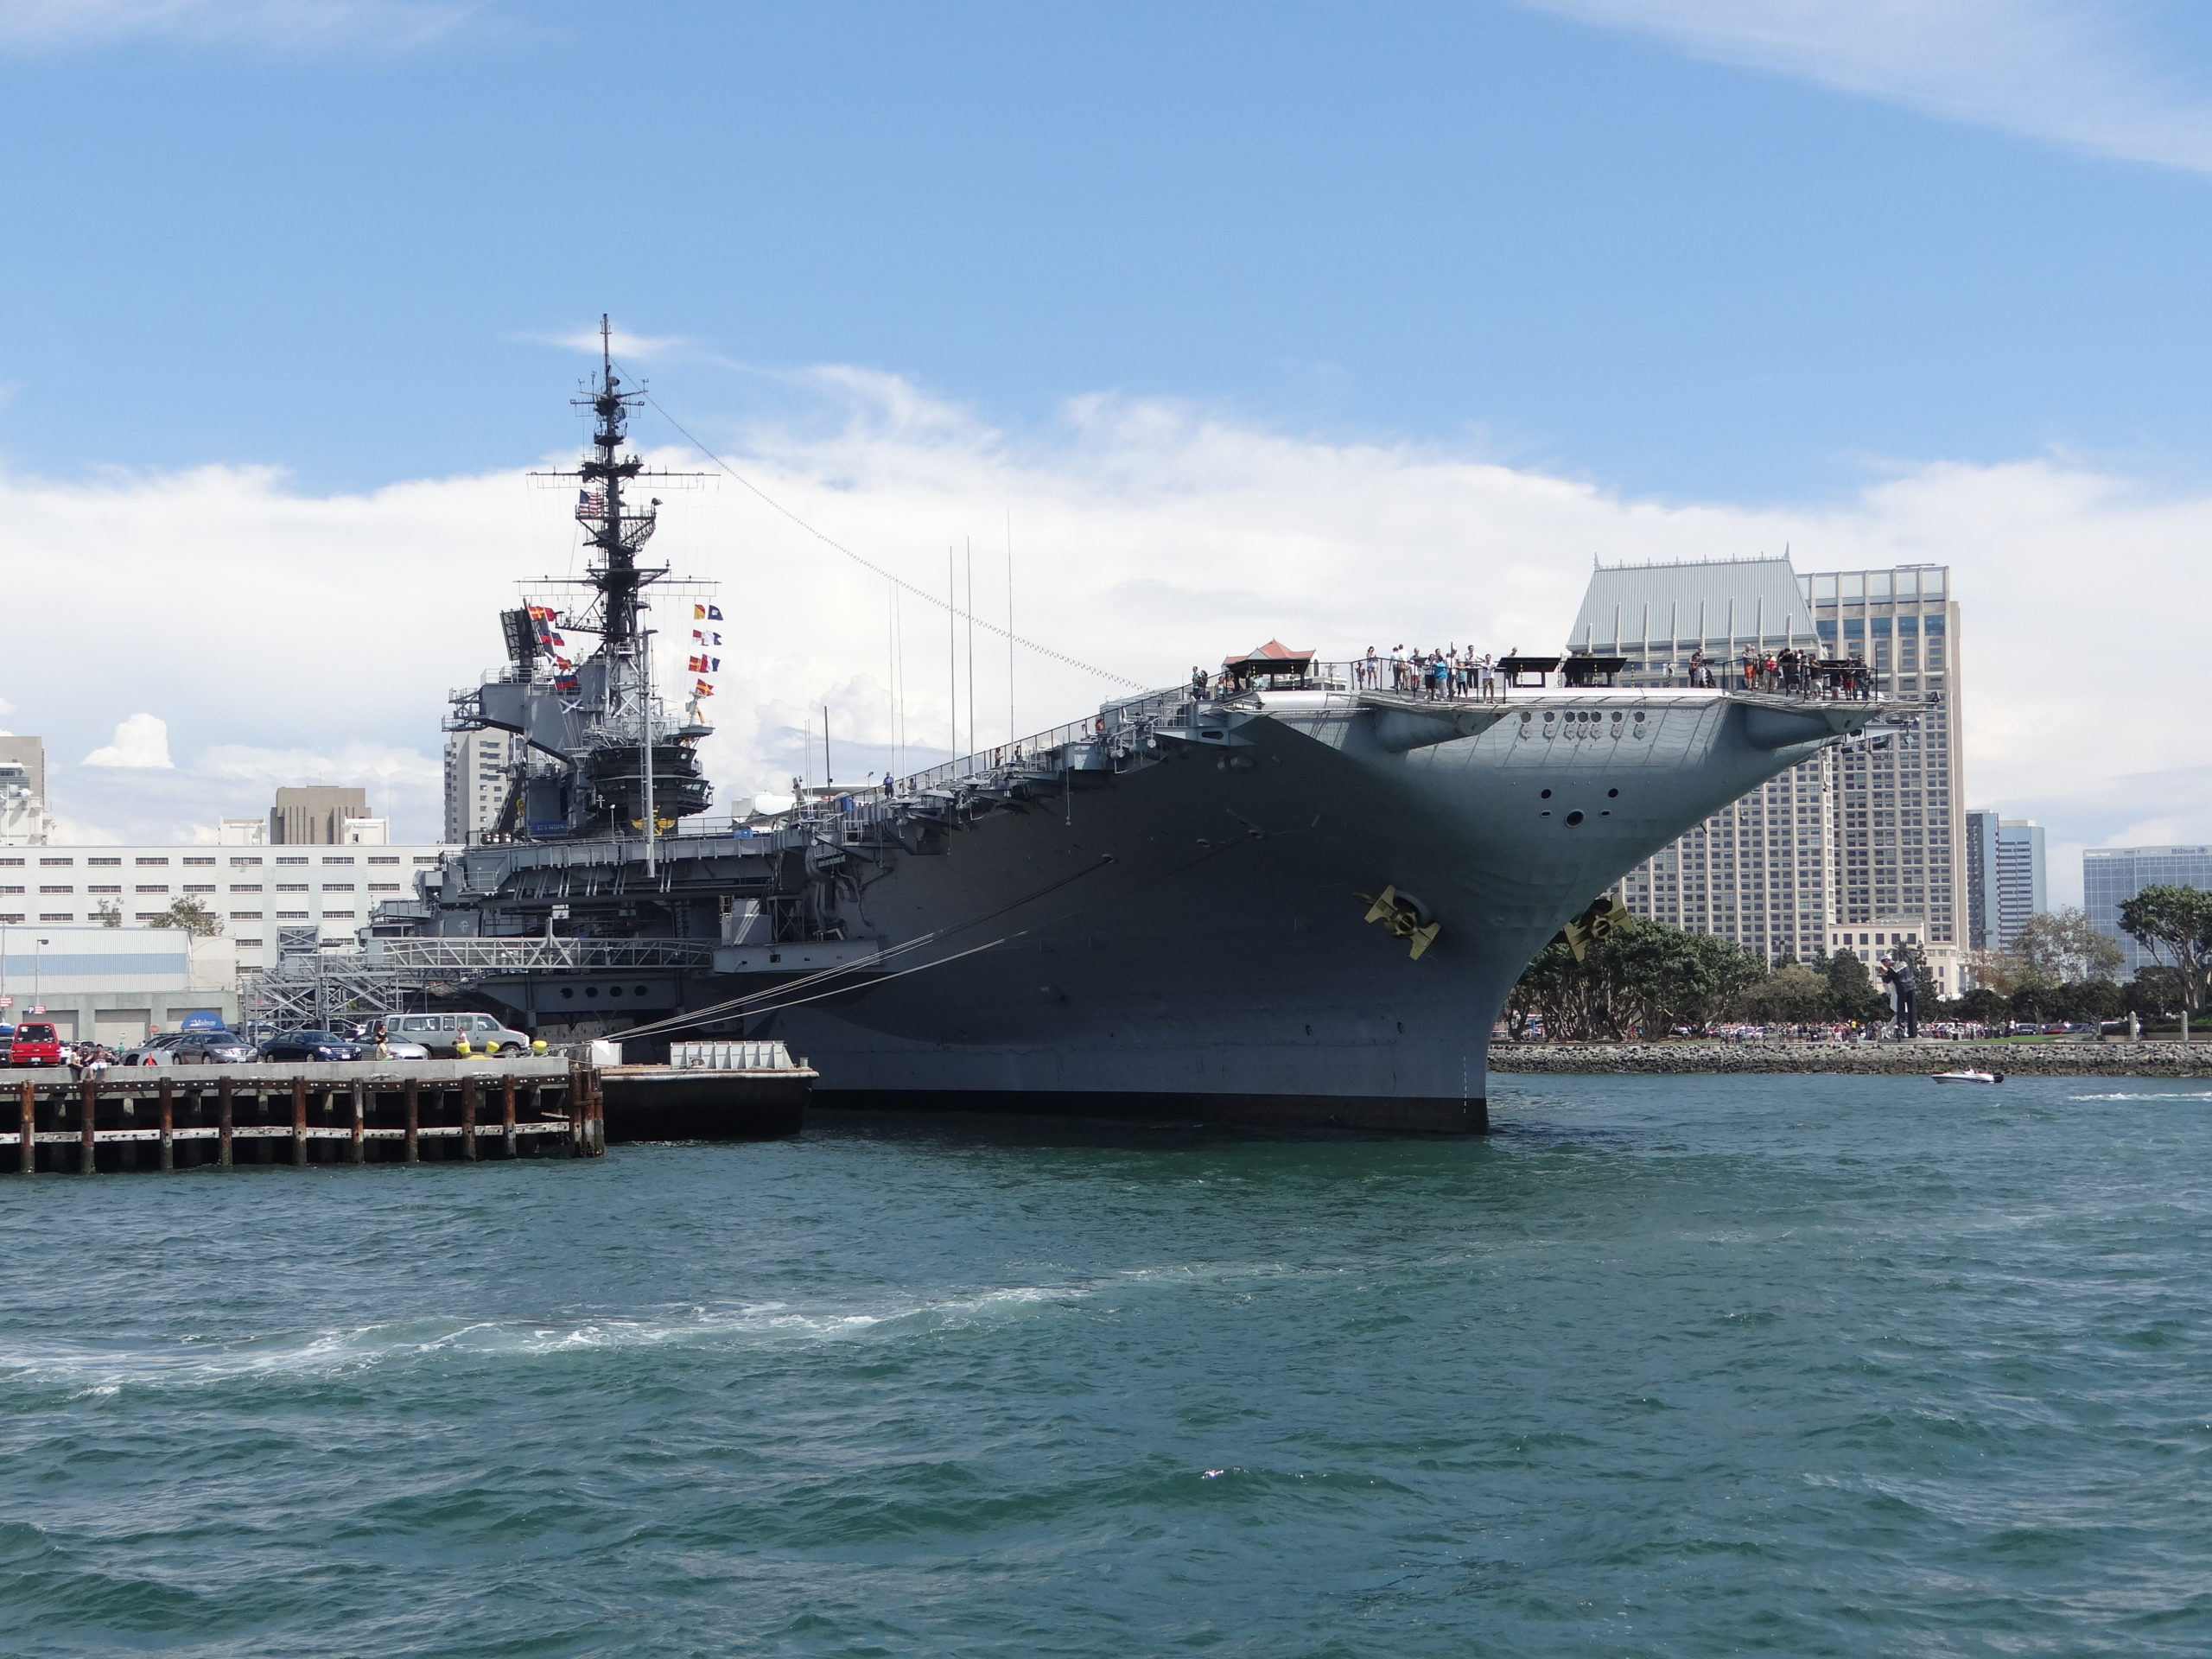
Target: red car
[36, 1043]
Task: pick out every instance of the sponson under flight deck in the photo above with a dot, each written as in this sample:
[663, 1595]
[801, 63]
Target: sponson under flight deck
[1285, 899]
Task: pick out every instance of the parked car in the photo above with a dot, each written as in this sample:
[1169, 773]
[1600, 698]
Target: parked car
[36, 1043]
[395, 1049]
[438, 1033]
[155, 1051]
[310, 1046]
[190, 1048]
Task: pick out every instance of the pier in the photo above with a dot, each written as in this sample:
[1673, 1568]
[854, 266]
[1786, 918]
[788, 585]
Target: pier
[220, 1117]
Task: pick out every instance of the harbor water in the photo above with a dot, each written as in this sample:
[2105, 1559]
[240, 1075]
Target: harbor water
[1670, 1366]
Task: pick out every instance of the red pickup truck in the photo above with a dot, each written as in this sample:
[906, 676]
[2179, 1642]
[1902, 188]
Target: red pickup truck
[36, 1043]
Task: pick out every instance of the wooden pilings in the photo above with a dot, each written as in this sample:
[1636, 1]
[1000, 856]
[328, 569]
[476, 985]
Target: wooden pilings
[193, 1118]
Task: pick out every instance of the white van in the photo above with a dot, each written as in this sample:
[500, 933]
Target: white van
[438, 1033]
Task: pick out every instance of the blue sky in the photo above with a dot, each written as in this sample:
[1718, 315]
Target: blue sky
[333, 238]
[1333, 321]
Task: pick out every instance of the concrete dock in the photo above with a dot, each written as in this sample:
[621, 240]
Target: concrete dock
[734, 1090]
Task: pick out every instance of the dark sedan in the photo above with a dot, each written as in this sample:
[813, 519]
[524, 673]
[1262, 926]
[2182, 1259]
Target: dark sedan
[310, 1046]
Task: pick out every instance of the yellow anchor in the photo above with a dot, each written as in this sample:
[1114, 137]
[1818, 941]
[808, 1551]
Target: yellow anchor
[1597, 920]
[1401, 919]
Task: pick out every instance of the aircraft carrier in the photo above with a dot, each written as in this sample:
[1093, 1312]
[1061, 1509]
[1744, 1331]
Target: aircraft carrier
[1285, 896]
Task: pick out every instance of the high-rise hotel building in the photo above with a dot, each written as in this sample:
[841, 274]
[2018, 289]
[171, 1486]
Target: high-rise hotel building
[480, 770]
[1862, 845]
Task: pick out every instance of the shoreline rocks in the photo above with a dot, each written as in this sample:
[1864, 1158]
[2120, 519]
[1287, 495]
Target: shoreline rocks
[1916, 1059]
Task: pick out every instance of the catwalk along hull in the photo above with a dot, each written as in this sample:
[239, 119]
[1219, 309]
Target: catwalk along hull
[1189, 936]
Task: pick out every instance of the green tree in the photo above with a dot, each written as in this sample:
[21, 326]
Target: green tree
[1670, 977]
[190, 915]
[2062, 948]
[1987, 1005]
[1791, 995]
[1852, 995]
[1641, 978]
[2175, 925]
[108, 913]
[2065, 948]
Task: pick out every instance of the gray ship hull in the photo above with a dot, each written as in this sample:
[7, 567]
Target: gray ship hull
[1198, 940]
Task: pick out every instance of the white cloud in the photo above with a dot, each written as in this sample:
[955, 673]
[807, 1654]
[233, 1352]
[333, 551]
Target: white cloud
[141, 740]
[35, 25]
[2085, 73]
[641, 348]
[294, 638]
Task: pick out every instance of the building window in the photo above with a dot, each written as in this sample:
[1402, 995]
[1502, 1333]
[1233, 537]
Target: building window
[419, 860]
[338, 887]
[56, 916]
[103, 861]
[291, 915]
[149, 916]
[153, 860]
[241, 863]
[337, 915]
[190, 888]
[291, 861]
[384, 886]
[383, 860]
[246, 887]
[153, 889]
[291, 886]
[10, 890]
[10, 861]
[200, 861]
[103, 889]
[347, 860]
[11, 916]
[57, 860]
[245, 916]
[250, 945]
[57, 889]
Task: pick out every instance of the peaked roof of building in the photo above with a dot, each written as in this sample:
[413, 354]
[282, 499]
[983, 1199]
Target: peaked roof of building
[1669, 601]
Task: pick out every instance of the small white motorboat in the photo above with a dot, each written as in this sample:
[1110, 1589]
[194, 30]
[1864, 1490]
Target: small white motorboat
[1968, 1075]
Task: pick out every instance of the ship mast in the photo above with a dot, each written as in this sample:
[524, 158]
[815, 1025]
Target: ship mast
[617, 539]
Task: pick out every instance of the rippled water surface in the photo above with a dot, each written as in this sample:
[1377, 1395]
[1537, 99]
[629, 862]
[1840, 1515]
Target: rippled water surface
[1668, 1366]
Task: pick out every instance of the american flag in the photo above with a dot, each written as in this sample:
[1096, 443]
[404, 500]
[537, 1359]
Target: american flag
[590, 504]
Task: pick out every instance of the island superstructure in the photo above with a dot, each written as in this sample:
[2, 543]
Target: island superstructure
[1282, 897]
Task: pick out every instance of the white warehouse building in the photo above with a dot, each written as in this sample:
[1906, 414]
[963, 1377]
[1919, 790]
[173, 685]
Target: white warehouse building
[258, 892]
[113, 984]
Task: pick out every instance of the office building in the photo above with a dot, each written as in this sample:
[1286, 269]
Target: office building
[315, 816]
[2004, 879]
[308, 898]
[1869, 834]
[1981, 880]
[2112, 875]
[2020, 890]
[479, 768]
